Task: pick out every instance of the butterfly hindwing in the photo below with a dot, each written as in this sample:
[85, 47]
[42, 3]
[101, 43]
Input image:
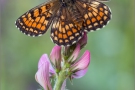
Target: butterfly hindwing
[96, 15]
[64, 31]
[36, 21]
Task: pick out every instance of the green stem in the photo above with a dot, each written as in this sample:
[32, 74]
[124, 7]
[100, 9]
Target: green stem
[60, 79]
[62, 75]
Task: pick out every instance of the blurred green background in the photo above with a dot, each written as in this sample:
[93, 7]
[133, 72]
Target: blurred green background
[112, 50]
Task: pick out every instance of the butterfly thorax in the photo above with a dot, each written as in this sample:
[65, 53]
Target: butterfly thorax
[67, 2]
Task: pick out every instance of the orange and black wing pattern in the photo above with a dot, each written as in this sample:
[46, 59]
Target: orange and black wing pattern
[69, 19]
[36, 21]
[64, 30]
[96, 15]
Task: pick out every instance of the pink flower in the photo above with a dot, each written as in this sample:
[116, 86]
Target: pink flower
[79, 73]
[44, 71]
[79, 68]
[83, 40]
[70, 66]
[75, 54]
[44, 58]
[64, 85]
[55, 56]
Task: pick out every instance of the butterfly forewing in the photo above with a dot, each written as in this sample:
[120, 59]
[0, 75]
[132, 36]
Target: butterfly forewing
[64, 31]
[36, 21]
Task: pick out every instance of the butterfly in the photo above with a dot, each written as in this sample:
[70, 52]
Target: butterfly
[68, 19]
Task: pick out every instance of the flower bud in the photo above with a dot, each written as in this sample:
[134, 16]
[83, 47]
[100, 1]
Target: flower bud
[83, 40]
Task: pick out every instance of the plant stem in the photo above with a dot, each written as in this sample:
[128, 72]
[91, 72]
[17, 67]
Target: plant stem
[62, 75]
[60, 79]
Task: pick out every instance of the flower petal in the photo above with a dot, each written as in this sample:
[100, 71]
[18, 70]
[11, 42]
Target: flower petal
[80, 73]
[75, 54]
[42, 76]
[83, 40]
[44, 58]
[55, 55]
[64, 85]
[83, 62]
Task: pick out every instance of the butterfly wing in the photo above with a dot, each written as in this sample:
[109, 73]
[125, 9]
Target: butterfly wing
[96, 14]
[36, 21]
[64, 30]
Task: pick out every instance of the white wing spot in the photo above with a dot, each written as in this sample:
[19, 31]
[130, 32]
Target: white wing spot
[98, 29]
[91, 30]
[73, 42]
[40, 34]
[27, 34]
[86, 30]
